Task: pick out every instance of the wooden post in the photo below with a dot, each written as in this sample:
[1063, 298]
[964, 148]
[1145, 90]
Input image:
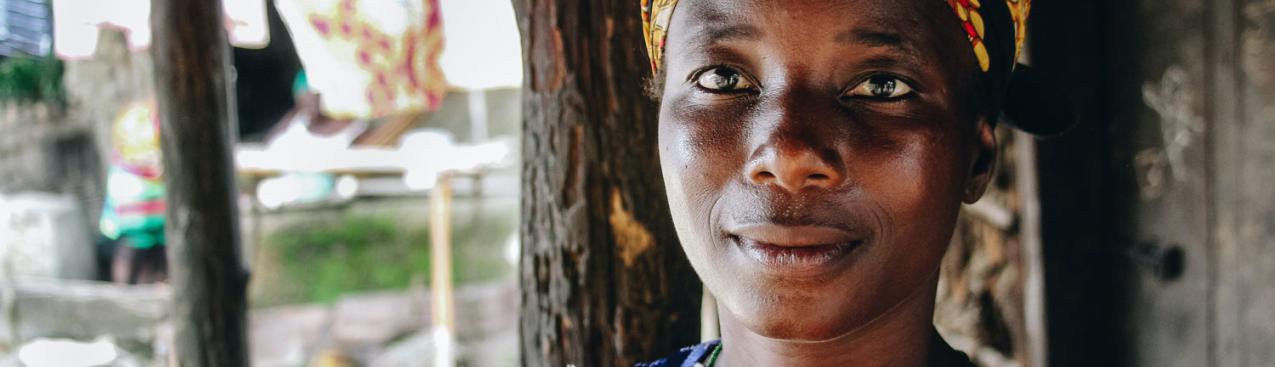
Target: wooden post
[604, 280]
[197, 131]
[440, 233]
[1032, 260]
[710, 322]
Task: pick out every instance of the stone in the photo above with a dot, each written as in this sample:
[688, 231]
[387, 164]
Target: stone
[84, 309]
[377, 318]
[413, 351]
[44, 235]
[286, 336]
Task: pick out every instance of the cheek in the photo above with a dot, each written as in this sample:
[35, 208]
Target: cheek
[920, 185]
[922, 176]
[699, 163]
[673, 162]
[699, 160]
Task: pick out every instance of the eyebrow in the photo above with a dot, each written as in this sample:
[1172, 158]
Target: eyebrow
[718, 26]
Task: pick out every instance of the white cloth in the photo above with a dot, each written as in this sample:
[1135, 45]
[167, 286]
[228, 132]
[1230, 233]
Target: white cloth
[76, 24]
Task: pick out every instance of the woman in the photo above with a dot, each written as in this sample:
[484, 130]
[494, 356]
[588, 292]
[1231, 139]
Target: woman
[816, 154]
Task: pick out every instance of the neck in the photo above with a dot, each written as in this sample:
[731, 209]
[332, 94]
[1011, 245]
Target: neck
[903, 336]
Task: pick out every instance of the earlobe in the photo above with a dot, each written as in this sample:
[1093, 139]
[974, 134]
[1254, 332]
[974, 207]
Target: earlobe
[983, 164]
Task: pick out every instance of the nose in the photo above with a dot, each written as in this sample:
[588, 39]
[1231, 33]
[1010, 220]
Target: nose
[794, 167]
[795, 148]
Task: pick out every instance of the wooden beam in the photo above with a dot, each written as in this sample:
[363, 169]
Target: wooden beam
[197, 130]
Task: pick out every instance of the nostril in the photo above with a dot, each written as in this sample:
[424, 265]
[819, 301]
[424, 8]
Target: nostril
[765, 175]
[819, 177]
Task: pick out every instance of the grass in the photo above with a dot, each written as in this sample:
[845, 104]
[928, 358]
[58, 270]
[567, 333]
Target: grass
[321, 262]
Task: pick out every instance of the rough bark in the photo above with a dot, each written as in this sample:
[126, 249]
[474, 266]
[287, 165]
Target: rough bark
[604, 281]
[197, 130]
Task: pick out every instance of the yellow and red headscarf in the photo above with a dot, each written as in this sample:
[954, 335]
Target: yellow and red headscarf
[1007, 26]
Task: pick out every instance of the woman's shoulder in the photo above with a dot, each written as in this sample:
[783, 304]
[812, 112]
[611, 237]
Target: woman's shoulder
[686, 357]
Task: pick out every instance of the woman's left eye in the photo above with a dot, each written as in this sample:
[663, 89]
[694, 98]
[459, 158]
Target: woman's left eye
[881, 87]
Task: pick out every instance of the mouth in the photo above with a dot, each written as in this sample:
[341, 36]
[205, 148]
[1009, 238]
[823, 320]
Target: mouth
[794, 250]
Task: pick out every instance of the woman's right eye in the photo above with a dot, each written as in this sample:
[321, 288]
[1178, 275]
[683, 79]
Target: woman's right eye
[723, 79]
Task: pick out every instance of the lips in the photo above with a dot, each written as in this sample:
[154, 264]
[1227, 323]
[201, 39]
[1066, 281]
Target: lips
[794, 250]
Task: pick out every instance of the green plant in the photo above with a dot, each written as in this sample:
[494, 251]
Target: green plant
[320, 262]
[31, 79]
[324, 261]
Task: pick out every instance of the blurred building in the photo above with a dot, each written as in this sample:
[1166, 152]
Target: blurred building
[25, 27]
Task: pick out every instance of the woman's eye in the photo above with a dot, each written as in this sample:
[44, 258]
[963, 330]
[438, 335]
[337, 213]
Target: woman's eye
[881, 87]
[723, 79]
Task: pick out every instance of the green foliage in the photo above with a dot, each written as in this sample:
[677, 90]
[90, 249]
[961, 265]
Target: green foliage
[480, 246]
[31, 79]
[320, 262]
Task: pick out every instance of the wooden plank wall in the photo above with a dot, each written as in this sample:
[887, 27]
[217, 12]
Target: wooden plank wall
[1157, 123]
[1243, 160]
[1175, 154]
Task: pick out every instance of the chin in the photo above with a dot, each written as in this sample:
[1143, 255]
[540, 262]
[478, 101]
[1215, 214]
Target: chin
[796, 318]
[798, 331]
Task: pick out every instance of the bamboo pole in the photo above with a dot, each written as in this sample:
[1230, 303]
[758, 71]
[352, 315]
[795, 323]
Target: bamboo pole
[710, 325]
[1033, 252]
[197, 126]
[440, 202]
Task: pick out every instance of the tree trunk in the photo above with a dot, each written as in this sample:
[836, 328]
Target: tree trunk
[197, 129]
[604, 281]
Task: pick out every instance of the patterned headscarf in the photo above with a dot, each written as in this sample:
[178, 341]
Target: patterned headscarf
[1002, 28]
[996, 30]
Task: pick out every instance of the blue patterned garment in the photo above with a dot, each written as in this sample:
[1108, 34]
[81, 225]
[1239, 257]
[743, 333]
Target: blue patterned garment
[702, 356]
[687, 357]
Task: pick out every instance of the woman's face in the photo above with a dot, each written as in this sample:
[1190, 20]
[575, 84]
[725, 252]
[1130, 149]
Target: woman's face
[816, 154]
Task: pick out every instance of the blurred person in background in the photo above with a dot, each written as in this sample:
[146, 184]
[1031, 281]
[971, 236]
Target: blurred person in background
[306, 131]
[307, 127]
[133, 214]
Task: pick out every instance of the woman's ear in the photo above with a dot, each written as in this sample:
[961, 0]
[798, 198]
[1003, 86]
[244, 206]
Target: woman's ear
[983, 164]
